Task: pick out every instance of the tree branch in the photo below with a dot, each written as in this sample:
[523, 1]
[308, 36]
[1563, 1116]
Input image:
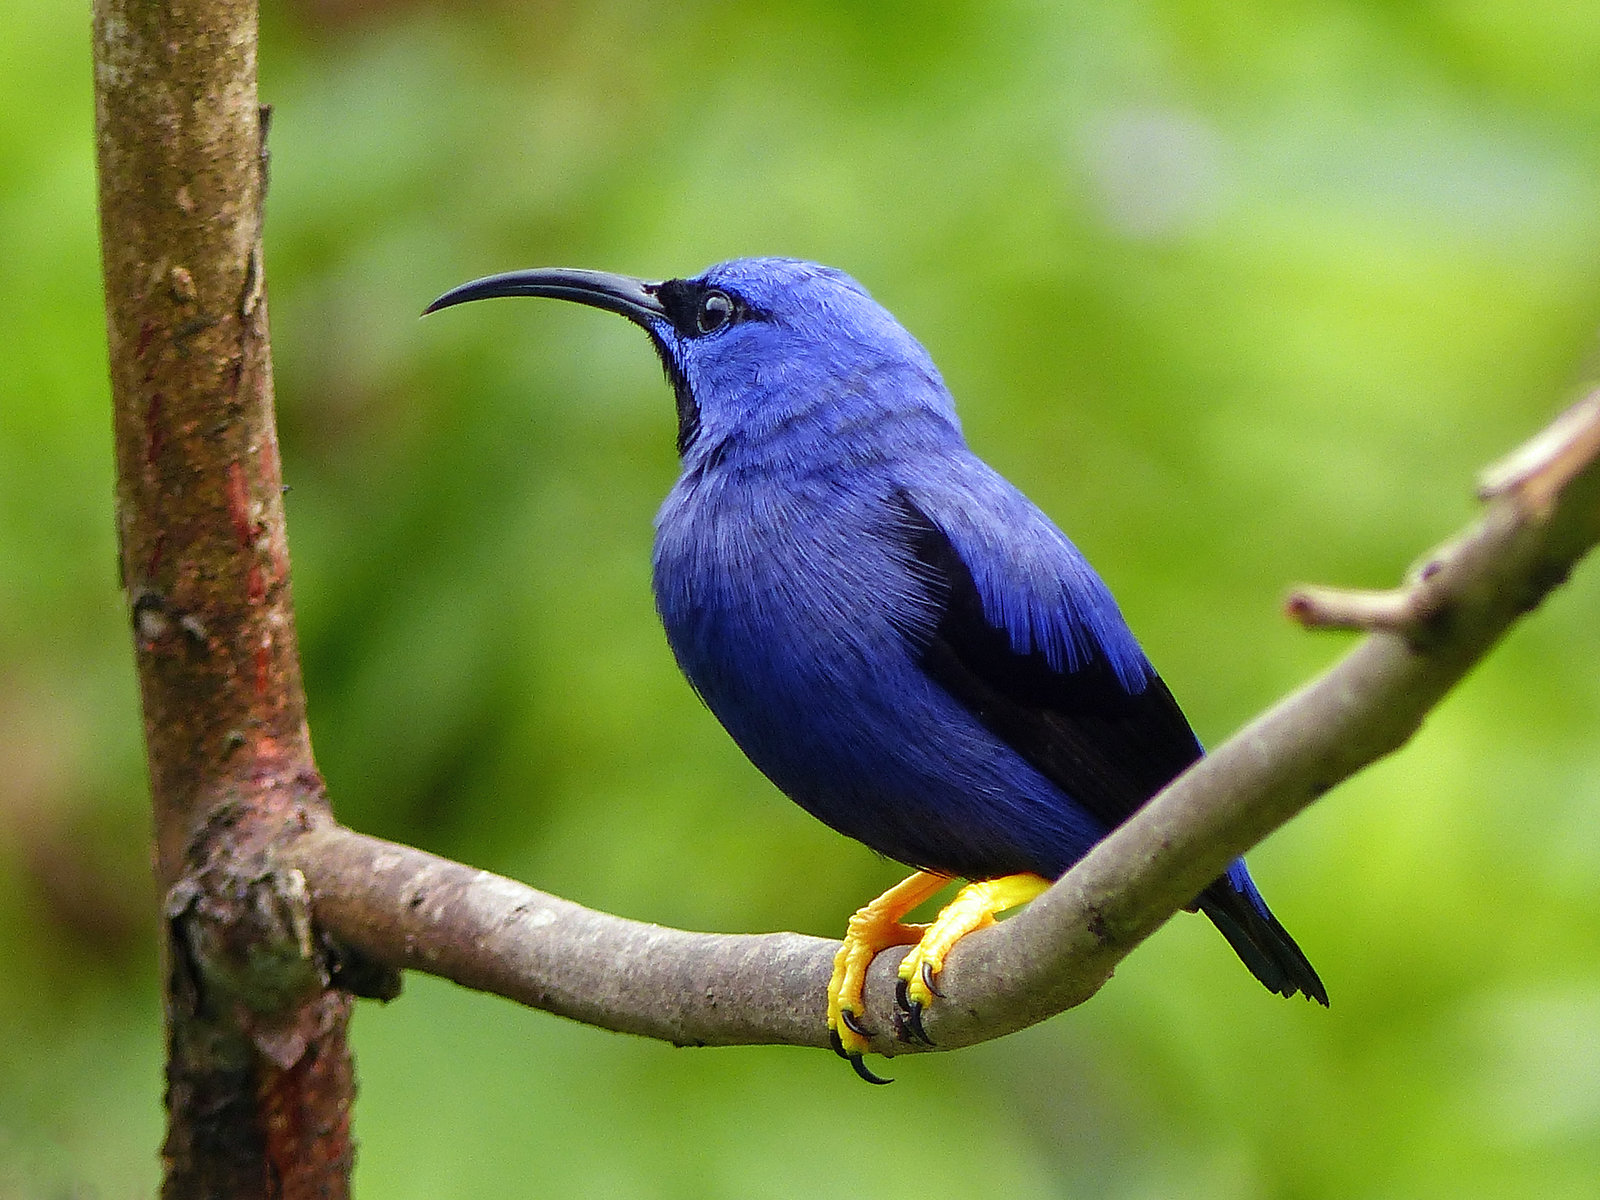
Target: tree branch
[410, 909]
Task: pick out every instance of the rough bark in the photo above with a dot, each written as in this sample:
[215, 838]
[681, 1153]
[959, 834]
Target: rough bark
[258, 1078]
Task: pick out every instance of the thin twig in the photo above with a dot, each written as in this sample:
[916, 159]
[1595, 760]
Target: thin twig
[1318, 607]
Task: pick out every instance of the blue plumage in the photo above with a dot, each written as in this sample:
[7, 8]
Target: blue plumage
[897, 637]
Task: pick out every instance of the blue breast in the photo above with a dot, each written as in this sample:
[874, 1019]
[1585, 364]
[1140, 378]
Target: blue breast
[791, 603]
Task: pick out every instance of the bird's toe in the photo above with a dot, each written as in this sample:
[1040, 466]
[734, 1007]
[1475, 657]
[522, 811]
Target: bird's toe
[973, 908]
[874, 927]
[908, 1016]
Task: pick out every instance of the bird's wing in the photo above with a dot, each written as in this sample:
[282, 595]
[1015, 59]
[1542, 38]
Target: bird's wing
[1027, 637]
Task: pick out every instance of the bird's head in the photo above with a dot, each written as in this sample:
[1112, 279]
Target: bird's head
[751, 343]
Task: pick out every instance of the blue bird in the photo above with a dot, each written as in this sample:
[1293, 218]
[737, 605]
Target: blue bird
[897, 637]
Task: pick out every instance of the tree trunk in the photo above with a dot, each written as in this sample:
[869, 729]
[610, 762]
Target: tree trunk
[259, 1077]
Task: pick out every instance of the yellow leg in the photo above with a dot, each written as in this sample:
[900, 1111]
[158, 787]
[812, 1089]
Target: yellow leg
[875, 927]
[974, 907]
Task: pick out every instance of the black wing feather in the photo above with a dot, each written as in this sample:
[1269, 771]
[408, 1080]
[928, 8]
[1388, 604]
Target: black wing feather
[1107, 748]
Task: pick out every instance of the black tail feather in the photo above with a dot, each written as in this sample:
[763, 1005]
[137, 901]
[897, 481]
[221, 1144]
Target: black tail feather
[1261, 943]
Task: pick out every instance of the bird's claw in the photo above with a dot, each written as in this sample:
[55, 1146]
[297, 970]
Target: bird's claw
[854, 1058]
[849, 1025]
[854, 1025]
[866, 1072]
[908, 1017]
[836, 1043]
[914, 992]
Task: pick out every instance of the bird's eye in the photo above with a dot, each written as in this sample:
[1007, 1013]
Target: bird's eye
[715, 311]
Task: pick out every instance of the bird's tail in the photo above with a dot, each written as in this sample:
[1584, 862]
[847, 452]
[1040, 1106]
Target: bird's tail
[1237, 909]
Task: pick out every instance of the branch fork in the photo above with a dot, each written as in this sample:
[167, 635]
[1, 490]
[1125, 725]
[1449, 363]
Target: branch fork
[1530, 480]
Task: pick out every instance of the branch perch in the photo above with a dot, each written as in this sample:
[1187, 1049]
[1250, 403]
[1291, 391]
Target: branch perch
[410, 909]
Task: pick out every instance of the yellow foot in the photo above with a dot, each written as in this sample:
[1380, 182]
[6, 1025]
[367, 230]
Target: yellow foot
[973, 908]
[875, 927]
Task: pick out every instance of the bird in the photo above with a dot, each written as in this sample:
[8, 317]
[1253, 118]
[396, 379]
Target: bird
[899, 639]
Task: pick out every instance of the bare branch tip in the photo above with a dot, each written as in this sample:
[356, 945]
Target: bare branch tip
[1316, 607]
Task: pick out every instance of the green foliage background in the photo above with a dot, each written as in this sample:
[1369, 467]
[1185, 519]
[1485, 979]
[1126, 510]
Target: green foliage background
[1243, 293]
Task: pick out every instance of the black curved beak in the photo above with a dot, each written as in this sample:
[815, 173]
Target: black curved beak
[632, 298]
